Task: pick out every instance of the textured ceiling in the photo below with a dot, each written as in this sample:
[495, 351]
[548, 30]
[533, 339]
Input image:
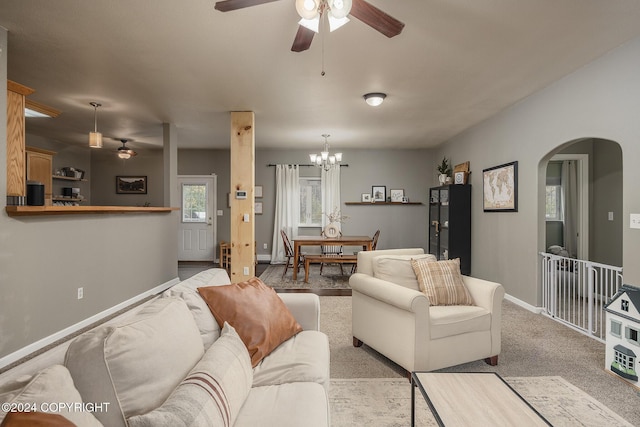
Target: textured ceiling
[456, 63]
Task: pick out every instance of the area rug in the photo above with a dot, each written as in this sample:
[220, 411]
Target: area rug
[331, 277]
[386, 402]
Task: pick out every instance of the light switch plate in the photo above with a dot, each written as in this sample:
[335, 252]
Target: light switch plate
[634, 220]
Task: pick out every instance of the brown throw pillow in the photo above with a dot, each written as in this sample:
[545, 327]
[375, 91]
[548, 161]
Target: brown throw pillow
[35, 419]
[255, 311]
[442, 282]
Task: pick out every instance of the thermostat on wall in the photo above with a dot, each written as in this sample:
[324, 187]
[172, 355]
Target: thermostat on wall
[241, 194]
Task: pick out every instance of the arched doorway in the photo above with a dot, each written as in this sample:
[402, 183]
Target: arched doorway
[581, 231]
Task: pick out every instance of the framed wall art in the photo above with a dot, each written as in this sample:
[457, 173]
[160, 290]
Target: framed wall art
[379, 193]
[396, 195]
[500, 188]
[131, 185]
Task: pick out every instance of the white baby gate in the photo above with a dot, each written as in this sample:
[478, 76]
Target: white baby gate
[575, 291]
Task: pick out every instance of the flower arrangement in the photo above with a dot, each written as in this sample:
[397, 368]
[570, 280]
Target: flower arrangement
[336, 216]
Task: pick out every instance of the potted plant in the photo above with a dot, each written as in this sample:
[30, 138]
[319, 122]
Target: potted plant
[444, 170]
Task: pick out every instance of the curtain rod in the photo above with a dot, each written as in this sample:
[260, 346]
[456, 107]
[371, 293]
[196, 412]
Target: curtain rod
[308, 165]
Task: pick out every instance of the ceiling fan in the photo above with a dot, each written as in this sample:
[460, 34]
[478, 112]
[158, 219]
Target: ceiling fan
[125, 152]
[312, 10]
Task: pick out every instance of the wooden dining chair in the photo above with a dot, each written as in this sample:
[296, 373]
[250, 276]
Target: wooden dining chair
[288, 249]
[329, 251]
[374, 245]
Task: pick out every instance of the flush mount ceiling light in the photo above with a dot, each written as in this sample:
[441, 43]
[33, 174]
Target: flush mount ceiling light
[95, 137]
[324, 159]
[374, 98]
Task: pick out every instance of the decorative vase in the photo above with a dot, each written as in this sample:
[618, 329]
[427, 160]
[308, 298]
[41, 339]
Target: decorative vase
[331, 230]
[442, 178]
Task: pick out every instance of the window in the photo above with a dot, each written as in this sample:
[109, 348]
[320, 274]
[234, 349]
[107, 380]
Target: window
[616, 328]
[632, 335]
[310, 202]
[624, 305]
[194, 203]
[554, 203]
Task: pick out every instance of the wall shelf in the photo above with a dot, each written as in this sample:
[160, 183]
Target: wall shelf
[68, 178]
[86, 210]
[381, 203]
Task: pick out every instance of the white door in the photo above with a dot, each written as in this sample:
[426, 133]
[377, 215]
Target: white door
[197, 231]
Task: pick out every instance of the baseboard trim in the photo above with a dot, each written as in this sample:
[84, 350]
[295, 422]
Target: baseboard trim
[264, 257]
[96, 318]
[525, 305]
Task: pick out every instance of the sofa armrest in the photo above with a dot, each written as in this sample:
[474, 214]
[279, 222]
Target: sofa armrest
[485, 294]
[388, 292]
[305, 308]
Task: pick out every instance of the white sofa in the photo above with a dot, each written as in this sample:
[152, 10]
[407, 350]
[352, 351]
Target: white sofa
[393, 317]
[167, 363]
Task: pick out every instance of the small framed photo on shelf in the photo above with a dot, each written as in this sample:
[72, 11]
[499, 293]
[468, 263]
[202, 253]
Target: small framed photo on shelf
[366, 198]
[397, 195]
[379, 193]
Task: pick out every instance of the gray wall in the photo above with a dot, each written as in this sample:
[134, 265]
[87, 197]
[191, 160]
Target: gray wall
[601, 100]
[400, 226]
[43, 260]
[105, 166]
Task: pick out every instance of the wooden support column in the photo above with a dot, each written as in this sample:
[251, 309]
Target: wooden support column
[242, 210]
[16, 159]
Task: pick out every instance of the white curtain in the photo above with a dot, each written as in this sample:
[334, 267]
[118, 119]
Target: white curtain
[287, 208]
[570, 206]
[330, 182]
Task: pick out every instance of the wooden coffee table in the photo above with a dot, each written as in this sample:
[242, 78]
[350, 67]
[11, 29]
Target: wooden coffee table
[473, 399]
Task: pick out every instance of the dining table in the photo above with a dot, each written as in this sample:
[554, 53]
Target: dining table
[364, 241]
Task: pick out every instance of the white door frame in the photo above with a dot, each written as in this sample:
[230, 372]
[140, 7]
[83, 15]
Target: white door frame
[212, 224]
[582, 166]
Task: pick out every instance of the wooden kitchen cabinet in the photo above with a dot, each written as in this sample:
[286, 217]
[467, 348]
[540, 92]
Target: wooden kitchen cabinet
[39, 168]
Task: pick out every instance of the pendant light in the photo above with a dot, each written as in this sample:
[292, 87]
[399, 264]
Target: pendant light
[95, 137]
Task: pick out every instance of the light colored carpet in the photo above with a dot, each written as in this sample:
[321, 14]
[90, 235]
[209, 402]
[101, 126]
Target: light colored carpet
[532, 346]
[384, 402]
[331, 277]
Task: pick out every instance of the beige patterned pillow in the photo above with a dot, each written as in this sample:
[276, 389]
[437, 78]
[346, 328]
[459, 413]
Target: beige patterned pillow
[442, 282]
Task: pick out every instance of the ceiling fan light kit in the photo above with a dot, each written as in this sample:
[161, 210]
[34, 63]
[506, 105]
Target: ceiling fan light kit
[311, 11]
[374, 98]
[125, 152]
[95, 137]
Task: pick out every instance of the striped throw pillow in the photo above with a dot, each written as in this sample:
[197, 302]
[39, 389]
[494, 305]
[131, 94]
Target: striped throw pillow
[441, 282]
[213, 392]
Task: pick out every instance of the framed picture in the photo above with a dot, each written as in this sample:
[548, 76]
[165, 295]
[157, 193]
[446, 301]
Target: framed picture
[366, 197]
[258, 208]
[131, 185]
[500, 188]
[379, 193]
[258, 191]
[397, 195]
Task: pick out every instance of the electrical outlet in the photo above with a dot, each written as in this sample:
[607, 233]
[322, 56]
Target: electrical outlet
[80, 293]
[245, 271]
[610, 216]
[265, 246]
[634, 220]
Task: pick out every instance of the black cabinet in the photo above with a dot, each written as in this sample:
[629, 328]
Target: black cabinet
[450, 224]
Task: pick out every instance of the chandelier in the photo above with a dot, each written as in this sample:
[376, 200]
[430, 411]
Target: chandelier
[324, 159]
[312, 10]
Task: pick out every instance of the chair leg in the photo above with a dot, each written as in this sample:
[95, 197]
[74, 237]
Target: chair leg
[321, 265]
[493, 360]
[286, 267]
[341, 270]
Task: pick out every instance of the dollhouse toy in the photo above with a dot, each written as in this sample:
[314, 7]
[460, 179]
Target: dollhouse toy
[623, 327]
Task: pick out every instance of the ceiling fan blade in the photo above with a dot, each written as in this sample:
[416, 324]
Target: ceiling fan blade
[375, 18]
[228, 5]
[303, 39]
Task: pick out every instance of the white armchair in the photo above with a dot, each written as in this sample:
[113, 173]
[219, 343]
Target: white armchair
[397, 321]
